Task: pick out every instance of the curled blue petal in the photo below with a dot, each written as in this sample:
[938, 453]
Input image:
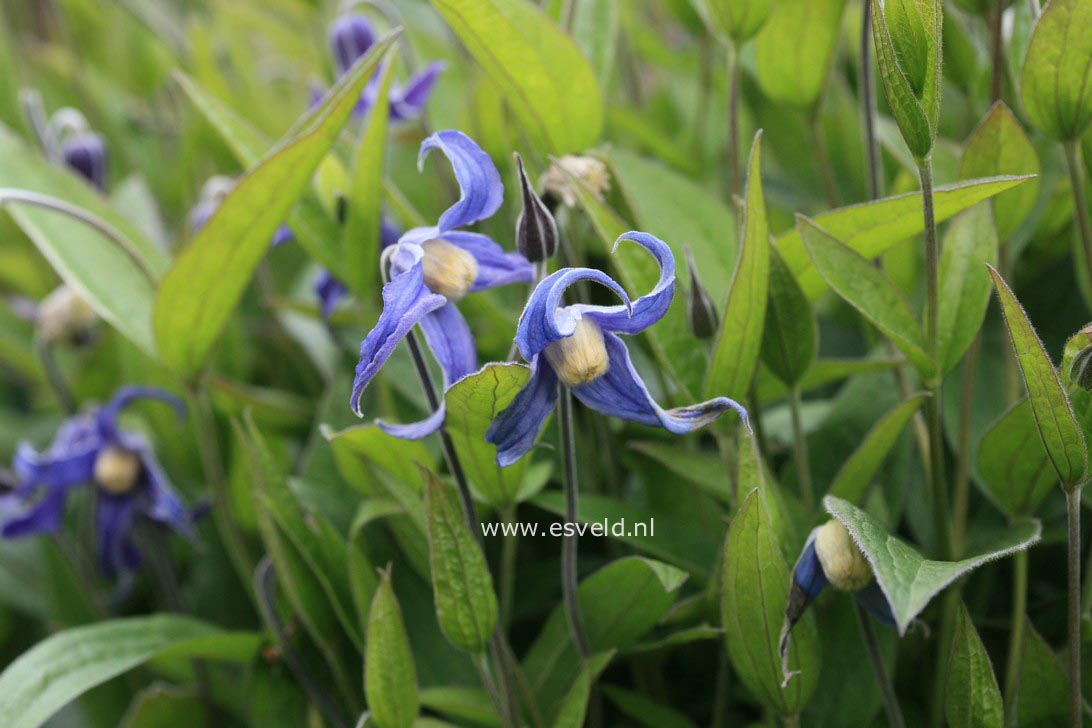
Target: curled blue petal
[647, 309]
[406, 300]
[545, 320]
[416, 430]
[480, 186]
[496, 267]
[45, 516]
[408, 101]
[621, 393]
[448, 336]
[58, 469]
[515, 429]
[808, 573]
[107, 416]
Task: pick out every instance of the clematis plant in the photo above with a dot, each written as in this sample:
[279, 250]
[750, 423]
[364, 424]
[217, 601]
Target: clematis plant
[431, 268]
[90, 449]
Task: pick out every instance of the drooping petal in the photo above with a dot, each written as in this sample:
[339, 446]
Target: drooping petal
[647, 309]
[114, 525]
[416, 430]
[514, 430]
[59, 469]
[106, 418]
[480, 187]
[621, 393]
[495, 266]
[875, 601]
[159, 501]
[43, 517]
[448, 336]
[406, 300]
[544, 320]
[408, 101]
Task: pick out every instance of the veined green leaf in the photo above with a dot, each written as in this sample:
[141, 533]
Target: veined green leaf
[999, 145]
[1058, 427]
[735, 19]
[739, 340]
[199, 293]
[1014, 466]
[1056, 82]
[466, 606]
[793, 50]
[908, 579]
[595, 31]
[547, 82]
[62, 667]
[791, 335]
[868, 290]
[969, 243]
[972, 698]
[390, 679]
[702, 468]
[755, 591]
[856, 474]
[1043, 693]
[575, 706]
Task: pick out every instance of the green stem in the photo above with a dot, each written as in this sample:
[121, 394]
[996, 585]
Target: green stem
[822, 160]
[997, 43]
[720, 695]
[1073, 511]
[800, 450]
[1080, 203]
[569, 545]
[962, 479]
[887, 690]
[509, 549]
[44, 350]
[1016, 636]
[868, 105]
[734, 71]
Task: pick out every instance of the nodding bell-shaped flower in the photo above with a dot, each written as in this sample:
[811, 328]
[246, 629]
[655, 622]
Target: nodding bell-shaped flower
[579, 346]
[433, 267]
[591, 172]
[700, 311]
[536, 230]
[352, 36]
[64, 316]
[82, 149]
[90, 449]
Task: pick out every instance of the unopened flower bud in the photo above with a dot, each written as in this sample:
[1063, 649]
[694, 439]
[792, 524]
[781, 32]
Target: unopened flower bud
[351, 36]
[580, 358]
[64, 316]
[1079, 352]
[843, 563]
[448, 270]
[591, 172]
[700, 311]
[85, 154]
[117, 470]
[536, 229]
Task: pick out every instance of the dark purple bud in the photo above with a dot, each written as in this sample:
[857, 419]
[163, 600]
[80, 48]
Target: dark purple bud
[701, 313]
[536, 230]
[85, 153]
[351, 36]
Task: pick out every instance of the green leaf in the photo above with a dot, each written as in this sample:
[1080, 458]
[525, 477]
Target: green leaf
[595, 31]
[755, 591]
[1056, 82]
[735, 19]
[791, 334]
[821, 373]
[645, 711]
[998, 146]
[575, 706]
[969, 243]
[199, 293]
[546, 81]
[872, 228]
[702, 468]
[908, 37]
[64, 666]
[466, 605]
[856, 474]
[1014, 466]
[470, 705]
[794, 50]
[972, 698]
[390, 680]
[1058, 427]
[908, 579]
[472, 404]
[868, 290]
[161, 705]
[735, 352]
[1044, 696]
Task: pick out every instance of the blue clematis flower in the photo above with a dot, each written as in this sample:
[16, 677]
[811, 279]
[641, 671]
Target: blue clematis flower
[352, 36]
[579, 346]
[92, 449]
[433, 267]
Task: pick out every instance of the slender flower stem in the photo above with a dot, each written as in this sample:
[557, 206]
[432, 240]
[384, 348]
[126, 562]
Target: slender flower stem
[1073, 510]
[822, 160]
[508, 565]
[1016, 636]
[800, 450]
[44, 350]
[571, 541]
[997, 41]
[1080, 203]
[868, 105]
[887, 690]
[962, 479]
[734, 72]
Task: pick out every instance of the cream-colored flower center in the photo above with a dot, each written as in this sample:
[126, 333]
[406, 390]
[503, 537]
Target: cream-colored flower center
[843, 563]
[580, 358]
[448, 270]
[117, 470]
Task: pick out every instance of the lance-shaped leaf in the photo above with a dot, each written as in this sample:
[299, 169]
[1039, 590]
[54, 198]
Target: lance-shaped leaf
[544, 77]
[868, 290]
[1044, 697]
[735, 19]
[908, 579]
[1056, 82]
[999, 145]
[466, 606]
[908, 37]
[735, 353]
[390, 678]
[199, 293]
[755, 591]
[794, 50]
[1016, 472]
[969, 244]
[791, 334]
[1058, 427]
[575, 706]
[857, 472]
[972, 698]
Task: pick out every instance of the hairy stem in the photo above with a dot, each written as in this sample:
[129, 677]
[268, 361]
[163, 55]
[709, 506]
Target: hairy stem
[1016, 636]
[962, 478]
[1080, 203]
[571, 540]
[868, 105]
[887, 690]
[800, 450]
[1073, 510]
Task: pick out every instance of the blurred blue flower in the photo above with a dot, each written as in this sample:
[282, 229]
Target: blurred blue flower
[578, 345]
[351, 36]
[85, 153]
[330, 291]
[432, 267]
[91, 449]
